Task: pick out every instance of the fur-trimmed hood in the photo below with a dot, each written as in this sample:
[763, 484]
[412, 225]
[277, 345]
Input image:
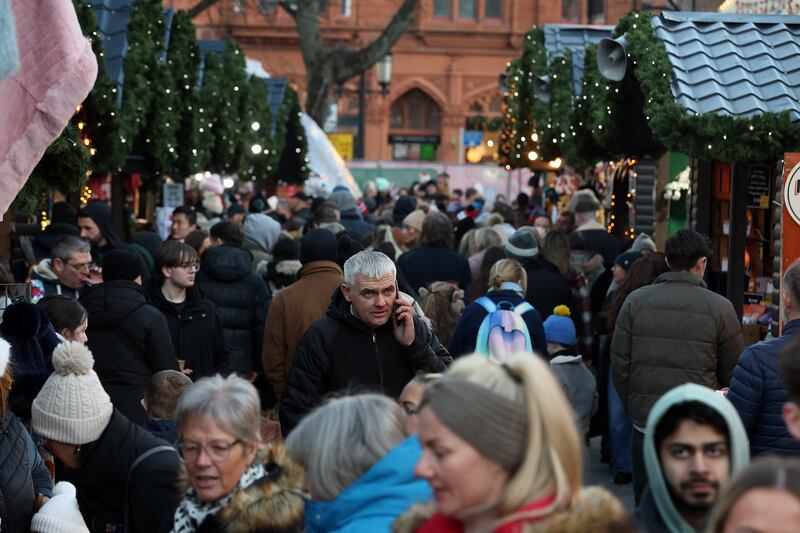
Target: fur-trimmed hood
[593, 510]
[273, 504]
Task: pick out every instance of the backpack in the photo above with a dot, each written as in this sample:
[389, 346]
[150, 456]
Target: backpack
[503, 331]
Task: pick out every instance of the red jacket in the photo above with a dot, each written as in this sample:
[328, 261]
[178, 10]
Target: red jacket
[439, 523]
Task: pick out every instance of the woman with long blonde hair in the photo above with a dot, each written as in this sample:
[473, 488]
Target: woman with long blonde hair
[501, 452]
[508, 282]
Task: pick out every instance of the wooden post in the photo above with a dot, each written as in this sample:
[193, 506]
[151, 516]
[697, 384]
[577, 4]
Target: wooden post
[738, 237]
[790, 225]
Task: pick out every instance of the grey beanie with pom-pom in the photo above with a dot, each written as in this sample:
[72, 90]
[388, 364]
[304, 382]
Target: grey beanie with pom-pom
[72, 407]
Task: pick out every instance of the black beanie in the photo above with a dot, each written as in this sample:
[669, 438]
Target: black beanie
[121, 264]
[63, 213]
[285, 249]
[318, 245]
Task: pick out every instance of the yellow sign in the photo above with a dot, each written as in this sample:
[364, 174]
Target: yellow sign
[343, 142]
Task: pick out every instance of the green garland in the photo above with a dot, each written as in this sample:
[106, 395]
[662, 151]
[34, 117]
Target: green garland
[710, 137]
[227, 123]
[99, 112]
[581, 149]
[206, 108]
[145, 35]
[255, 109]
[160, 132]
[293, 164]
[555, 122]
[183, 57]
[64, 168]
[508, 130]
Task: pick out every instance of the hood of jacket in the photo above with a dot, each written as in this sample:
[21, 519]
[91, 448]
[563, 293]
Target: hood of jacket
[44, 270]
[377, 498]
[592, 509]
[109, 303]
[739, 446]
[261, 231]
[226, 263]
[344, 200]
[272, 504]
[100, 213]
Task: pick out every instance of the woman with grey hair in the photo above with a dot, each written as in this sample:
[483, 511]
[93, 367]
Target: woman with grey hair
[232, 483]
[360, 475]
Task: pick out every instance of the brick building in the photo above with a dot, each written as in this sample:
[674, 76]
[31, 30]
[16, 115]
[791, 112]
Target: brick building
[445, 68]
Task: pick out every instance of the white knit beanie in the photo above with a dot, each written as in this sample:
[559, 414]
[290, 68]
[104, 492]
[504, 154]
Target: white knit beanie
[5, 355]
[61, 513]
[72, 407]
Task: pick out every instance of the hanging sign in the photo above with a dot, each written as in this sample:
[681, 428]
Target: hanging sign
[758, 187]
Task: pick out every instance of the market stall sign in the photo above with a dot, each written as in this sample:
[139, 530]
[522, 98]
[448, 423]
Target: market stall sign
[414, 139]
[758, 187]
[791, 194]
[473, 138]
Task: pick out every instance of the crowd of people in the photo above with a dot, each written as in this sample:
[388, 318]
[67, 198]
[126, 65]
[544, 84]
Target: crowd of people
[418, 360]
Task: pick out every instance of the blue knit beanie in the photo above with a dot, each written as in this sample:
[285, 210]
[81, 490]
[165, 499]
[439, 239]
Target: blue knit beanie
[559, 327]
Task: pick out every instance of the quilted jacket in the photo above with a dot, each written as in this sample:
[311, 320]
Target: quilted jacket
[758, 394]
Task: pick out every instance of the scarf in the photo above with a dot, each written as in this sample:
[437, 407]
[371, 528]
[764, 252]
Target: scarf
[192, 512]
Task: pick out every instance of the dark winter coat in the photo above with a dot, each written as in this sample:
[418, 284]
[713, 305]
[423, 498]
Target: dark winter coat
[426, 264]
[340, 352]
[165, 430]
[758, 393]
[196, 332]
[32, 339]
[672, 332]
[17, 494]
[273, 504]
[355, 226]
[466, 333]
[241, 298]
[130, 341]
[547, 289]
[601, 241]
[102, 477]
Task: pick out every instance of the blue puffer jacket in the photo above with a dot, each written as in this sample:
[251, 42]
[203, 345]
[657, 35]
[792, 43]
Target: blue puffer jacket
[377, 499]
[758, 394]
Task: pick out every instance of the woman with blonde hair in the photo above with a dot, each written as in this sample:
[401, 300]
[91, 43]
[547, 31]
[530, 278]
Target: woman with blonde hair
[764, 496]
[501, 452]
[482, 240]
[508, 282]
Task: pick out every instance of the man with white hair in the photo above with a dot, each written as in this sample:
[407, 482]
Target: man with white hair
[369, 339]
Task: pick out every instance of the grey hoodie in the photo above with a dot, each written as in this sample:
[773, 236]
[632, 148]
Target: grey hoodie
[670, 519]
[261, 232]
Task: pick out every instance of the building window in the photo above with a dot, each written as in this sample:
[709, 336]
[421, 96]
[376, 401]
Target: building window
[347, 8]
[570, 11]
[493, 9]
[442, 8]
[468, 9]
[414, 127]
[597, 11]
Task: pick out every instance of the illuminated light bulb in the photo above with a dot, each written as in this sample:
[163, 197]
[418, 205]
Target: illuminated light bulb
[256, 149]
[533, 156]
[555, 163]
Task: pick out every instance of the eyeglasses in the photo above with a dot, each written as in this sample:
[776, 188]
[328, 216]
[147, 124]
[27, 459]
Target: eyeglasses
[80, 267]
[218, 452]
[194, 267]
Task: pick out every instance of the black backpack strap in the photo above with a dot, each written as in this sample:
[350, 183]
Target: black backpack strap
[139, 460]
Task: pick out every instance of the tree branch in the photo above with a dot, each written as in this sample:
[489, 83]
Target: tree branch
[201, 6]
[354, 63]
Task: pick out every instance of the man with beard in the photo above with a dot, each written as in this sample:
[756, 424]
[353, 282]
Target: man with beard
[94, 222]
[693, 445]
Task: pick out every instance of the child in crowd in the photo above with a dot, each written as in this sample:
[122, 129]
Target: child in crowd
[411, 397]
[161, 395]
[575, 378]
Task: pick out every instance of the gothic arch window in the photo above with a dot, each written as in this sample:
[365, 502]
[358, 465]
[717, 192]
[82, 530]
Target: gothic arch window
[415, 110]
[415, 121]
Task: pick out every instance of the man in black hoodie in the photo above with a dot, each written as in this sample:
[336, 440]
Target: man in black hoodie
[369, 338]
[239, 294]
[94, 222]
[128, 337]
